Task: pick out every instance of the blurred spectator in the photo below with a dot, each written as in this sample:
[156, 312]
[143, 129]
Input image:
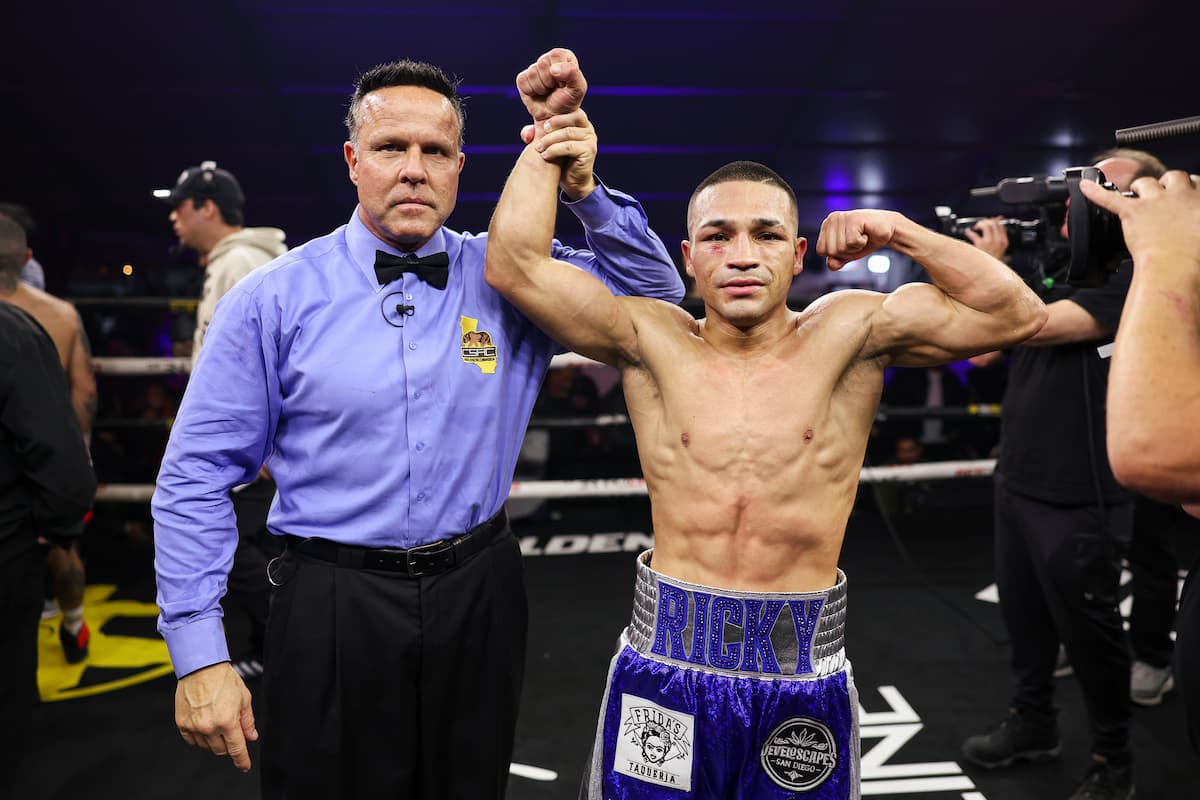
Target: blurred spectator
[155, 404]
[46, 486]
[32, 273]
[911, 439]
[62, 323]
[567, 392]
[620, 444]
[986, 381]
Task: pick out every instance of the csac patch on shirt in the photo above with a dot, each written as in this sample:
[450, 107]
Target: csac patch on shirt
[655, 743]
[477, 346]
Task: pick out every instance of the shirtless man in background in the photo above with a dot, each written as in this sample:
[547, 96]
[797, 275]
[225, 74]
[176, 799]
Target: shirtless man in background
[62, 322]
[751, 426]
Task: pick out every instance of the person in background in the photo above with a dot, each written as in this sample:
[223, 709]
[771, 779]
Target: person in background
[1062, 525]
[32, 272]
[208, 214]
[46, 487]
[68, 578]
[933, 438]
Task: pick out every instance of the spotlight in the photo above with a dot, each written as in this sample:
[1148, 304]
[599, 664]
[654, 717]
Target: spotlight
[879, 264]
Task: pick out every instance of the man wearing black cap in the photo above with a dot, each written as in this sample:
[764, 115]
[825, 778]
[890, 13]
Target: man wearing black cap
[207, 215]
[211, 224]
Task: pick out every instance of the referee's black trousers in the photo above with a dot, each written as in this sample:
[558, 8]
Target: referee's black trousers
[1058, 571]
[381, 685]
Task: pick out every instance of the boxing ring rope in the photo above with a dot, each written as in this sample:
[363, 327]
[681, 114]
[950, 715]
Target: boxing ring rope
[544, 490]
[128, 365]
[134, 366]
[633, 487]
[162, 303]
[612, 420]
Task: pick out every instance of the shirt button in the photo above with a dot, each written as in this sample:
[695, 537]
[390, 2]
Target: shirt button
[417, 396]
[408, 297]
[420, 497]
[420, 446]
[412, 345]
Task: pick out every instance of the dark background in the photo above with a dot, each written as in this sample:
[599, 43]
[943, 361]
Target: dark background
[900, 105]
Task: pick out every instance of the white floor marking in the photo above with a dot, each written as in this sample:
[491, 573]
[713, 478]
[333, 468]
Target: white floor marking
[533, 773]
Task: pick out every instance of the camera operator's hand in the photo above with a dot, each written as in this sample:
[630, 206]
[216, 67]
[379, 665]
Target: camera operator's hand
[1162, 223]
[992, 237]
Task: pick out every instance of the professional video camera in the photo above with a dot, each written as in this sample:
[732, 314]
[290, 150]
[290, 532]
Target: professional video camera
[1022, 233]
[1097, 243]
[1036, 248]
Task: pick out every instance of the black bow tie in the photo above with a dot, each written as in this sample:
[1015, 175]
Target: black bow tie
[433, 269]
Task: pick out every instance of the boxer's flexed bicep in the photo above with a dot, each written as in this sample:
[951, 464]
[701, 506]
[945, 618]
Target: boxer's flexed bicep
[892, 321]
[974, 304]
[919, 325]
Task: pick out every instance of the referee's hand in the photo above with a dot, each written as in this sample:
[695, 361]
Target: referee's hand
[213, 712]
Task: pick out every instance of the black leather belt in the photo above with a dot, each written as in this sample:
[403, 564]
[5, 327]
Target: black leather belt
[427, 559]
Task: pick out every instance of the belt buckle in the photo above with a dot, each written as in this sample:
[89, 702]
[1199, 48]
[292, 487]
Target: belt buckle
[432, 553]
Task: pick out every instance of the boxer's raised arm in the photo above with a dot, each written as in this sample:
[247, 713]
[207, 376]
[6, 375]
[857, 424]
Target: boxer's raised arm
[572, 306]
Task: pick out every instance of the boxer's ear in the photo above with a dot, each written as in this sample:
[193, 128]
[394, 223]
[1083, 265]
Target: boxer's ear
[801, 249]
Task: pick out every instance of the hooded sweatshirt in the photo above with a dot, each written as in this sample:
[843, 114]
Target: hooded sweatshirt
[234, 257]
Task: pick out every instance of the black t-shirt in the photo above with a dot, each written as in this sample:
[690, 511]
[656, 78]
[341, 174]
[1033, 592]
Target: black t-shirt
[1052, 391]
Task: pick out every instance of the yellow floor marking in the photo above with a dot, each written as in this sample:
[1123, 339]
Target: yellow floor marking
[58, 680]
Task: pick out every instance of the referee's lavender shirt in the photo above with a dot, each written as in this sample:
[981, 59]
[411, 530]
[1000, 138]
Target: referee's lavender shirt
[376, 434]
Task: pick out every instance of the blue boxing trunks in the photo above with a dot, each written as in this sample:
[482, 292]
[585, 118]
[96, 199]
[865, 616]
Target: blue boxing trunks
[724, 694]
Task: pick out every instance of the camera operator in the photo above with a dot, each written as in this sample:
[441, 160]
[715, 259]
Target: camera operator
[1154, 392]
[1061, 522]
